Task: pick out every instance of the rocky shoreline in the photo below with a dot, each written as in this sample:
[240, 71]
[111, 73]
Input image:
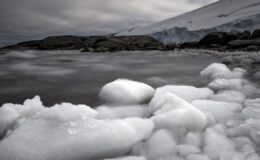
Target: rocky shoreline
[220, 41]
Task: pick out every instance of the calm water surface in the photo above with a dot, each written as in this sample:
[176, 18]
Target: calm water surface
[71, 76]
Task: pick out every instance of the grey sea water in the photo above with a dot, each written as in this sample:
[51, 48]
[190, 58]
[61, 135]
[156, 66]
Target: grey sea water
[71, 76]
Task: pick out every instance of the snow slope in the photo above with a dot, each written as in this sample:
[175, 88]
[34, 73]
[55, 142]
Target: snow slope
[224, 15]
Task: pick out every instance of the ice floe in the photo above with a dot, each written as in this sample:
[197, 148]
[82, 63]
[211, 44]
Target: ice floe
[137, 122]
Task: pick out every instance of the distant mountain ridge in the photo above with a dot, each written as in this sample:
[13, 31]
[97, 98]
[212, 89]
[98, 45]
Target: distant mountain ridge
[221, 16]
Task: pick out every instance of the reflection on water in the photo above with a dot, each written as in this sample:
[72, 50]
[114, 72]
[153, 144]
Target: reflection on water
[71, 76]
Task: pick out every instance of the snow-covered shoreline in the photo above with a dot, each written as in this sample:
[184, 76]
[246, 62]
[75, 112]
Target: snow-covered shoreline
[220, 121]
[221, 16]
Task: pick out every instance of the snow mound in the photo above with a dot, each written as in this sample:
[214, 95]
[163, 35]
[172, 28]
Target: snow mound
[179, 122]
[124, 91]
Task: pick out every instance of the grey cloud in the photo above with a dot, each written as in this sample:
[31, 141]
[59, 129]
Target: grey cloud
[31, 19]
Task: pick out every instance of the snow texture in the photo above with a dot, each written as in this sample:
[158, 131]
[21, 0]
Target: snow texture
[224, 15]
[179, 122]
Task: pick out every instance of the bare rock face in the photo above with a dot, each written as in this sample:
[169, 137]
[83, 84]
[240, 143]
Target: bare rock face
[245, 35]
[231, 41]
[130, 43]
[238, 44]
[217, 38]
[62, 42]
[256, 34]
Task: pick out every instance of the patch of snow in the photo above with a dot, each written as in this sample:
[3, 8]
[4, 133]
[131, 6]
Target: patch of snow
[224, 15]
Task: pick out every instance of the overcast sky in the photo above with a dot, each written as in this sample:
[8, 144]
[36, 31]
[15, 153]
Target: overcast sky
[32, 19]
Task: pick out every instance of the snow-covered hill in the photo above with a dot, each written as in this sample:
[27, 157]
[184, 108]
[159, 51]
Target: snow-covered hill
[223, 15]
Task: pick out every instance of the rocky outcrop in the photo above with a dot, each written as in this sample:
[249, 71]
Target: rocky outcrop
[256, 34]
[129, 43]
[61, 42]
[217, 38]
[50, 43]
[92, 43]
[230, 41]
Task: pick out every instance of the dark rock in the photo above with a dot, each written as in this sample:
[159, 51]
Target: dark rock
[240, 44]
[108, 44]
[211, 38]
[119, 43]
[188, 45]
[62, 42]
[227, 37]
[217, 38]
[245, 36]
[141, 42]
[169, 47]
[25, 45]
[256, 34]
[92, 43]
[252, 48]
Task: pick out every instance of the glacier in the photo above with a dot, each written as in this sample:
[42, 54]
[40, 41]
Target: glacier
[223, 16]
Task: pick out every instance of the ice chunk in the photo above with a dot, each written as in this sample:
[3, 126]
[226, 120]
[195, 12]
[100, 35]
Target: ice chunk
[250, 90]
[168, 103]
[128, 158]
[257, 75]
[116, 112]
[216, 71]
[239, 73]
[229, 96]
[254, 103]
[228, 84]
[185, 150]
[139, 149]
[189, 93]
[8, 117]
[123, 91]
[221, 71]
[11, 113]
[193, 139]
[161, 146]
[69, 131]
[41, 138]
[252, 109]
[197, 157]
[184, 117]
[251, 112]
[221, 111]
[217, 144]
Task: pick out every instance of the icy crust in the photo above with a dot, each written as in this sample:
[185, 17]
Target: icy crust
[218, 122]
[224, 16]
